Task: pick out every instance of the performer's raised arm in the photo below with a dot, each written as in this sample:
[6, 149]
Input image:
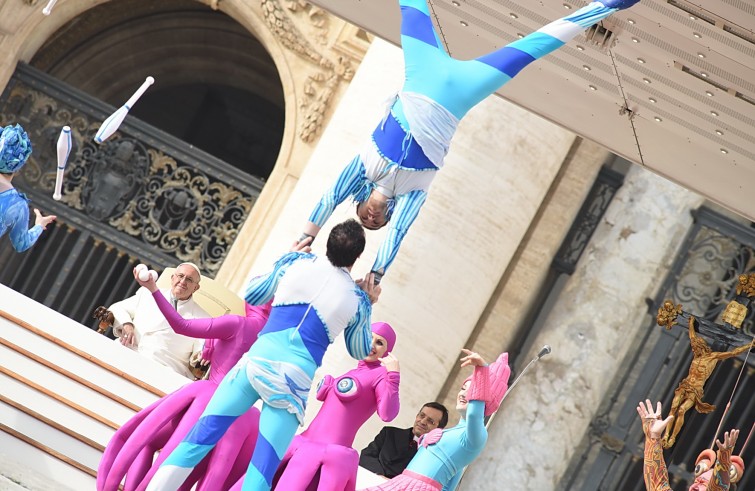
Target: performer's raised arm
[386, 389]
[351, 180]
[261, 289]
[416, 24]
[358, 334]
[21, 238]
[654, 467]
[477, 393]
[405, 212]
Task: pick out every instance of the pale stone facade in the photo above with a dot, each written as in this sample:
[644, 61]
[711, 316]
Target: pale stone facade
[474, 261]
[592, 328]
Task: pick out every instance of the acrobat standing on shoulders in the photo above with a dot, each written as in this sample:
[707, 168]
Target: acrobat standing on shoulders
[389, 180]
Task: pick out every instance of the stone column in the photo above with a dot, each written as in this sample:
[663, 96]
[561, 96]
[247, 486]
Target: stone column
[591, 328]
[501, 166]
[521, 285]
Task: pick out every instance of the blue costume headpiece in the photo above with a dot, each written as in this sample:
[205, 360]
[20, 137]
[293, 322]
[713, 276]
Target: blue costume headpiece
[15, 148]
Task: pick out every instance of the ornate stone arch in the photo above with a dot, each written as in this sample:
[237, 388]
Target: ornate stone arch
[314, 52]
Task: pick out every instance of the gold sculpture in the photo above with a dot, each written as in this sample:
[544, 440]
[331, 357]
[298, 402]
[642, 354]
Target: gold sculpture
[667, 314]
[689, 393]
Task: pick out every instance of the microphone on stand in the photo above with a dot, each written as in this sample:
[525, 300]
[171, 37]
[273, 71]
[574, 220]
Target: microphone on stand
[543, 351]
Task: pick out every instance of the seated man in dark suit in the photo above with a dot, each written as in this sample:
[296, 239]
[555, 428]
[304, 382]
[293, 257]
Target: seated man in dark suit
[392, 449]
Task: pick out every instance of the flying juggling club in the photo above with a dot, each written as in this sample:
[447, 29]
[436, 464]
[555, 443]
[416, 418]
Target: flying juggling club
[112, 123]
[64, 149]
[49, 7]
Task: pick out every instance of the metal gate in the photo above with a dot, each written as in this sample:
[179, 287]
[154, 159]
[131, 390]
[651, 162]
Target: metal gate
[142, 196]
[703, 279]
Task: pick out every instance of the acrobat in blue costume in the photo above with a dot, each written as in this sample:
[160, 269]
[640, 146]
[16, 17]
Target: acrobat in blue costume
[15, 149]
[392, 175]
[314, 302]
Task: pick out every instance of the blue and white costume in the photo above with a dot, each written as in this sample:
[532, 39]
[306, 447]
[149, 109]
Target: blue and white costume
[314, 302]
[409, 145]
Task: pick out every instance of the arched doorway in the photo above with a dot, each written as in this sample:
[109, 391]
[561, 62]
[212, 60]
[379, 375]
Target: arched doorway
[175, 189]
[216, 86]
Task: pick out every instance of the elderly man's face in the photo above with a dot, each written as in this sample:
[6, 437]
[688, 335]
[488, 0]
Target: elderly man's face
[184, 282]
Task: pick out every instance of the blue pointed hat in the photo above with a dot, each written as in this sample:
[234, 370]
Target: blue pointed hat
[15, 148]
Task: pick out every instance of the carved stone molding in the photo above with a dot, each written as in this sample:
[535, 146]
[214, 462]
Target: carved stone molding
[287, 19]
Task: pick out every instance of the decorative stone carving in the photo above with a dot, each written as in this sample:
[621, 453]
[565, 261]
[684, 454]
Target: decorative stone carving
[322, 85]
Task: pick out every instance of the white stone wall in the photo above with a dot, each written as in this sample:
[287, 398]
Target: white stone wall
[592, 327]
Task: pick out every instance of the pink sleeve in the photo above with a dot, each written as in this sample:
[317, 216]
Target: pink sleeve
[386, 392]
[479, 390]
[257, 315]
[222, 327]
[325, 385]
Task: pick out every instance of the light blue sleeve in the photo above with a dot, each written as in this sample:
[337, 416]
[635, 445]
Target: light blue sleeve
[407, 208]
[261, 289]
[476, 434]
[358, 334]
[17, 217]
[349, 182]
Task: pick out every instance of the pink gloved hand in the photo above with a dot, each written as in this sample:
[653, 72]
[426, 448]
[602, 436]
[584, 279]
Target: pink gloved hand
[431, 437]
[207, 351]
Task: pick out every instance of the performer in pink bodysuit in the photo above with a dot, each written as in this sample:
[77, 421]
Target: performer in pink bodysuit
[321, 458]
[162, 425]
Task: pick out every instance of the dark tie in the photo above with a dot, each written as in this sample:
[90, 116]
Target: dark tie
[174, 301]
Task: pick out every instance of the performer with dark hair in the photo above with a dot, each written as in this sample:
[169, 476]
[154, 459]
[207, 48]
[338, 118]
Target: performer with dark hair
[393, 448]
[15, 149]
[315, 300]
[390, 179]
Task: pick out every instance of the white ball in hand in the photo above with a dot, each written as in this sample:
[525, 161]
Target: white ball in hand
[153, 274]
[143, 274]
